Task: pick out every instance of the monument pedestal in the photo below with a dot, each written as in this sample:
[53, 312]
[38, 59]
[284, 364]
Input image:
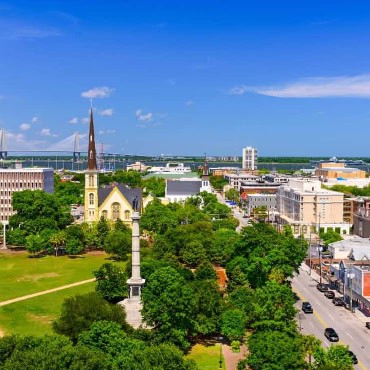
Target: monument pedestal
[133, 309]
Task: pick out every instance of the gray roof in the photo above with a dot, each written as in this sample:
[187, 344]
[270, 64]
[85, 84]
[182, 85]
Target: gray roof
[128, 193]
[190, 187]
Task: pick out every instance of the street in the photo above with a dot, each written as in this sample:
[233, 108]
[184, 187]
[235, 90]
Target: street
[350, 327]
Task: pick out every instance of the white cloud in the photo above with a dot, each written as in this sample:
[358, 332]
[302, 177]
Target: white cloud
[316, 87]
[85, 120]
[34, 119]
[19, 142]
[25, 126]
[108, 132]
[73, 120]
[238, 90]
[47, 132]
[143, 117]
[97, 92]
[106, 112]
[189, 103]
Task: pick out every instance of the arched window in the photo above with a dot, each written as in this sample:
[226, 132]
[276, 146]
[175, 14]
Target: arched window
[105, 214]
[127, 215]
[91, 199]
[115, 211]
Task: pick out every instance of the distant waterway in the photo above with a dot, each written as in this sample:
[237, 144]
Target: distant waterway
[59, 164]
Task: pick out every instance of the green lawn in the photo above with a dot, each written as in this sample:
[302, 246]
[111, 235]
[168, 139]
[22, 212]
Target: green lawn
[21, 275]
[34, 316]
[207, 357]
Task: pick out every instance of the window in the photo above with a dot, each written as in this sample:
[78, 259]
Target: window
[127, 215]
[91, 199]
[91, 180]
[115, 210]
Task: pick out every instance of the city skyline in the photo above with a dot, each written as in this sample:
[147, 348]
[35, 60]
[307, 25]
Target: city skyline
[177, 79]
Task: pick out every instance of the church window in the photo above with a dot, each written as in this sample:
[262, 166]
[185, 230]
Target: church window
[127, 215]
[91, 199]
[105, 215]
[115, 211]
[91, 180]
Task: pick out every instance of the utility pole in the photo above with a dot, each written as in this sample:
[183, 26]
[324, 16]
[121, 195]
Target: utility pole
[319, 249]
[351, 276]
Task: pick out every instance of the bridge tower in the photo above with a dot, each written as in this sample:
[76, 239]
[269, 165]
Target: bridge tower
[3, 146]
[76, 148]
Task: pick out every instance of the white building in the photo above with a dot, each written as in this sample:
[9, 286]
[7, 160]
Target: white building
[303, 204]
[236, 180]
[353, 247]
[249, 158]
[170, 168]
[261, 200]
[13, 180]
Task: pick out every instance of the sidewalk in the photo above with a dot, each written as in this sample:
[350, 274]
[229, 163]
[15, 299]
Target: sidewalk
[315, 276]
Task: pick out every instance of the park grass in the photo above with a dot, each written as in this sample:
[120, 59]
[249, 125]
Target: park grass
[21, 275]
[34, 316]
[206, 357]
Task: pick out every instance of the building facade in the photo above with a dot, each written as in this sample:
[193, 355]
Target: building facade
[13, 180]
[260, 200]
[249, 158]
[236, 180]
[304, 205]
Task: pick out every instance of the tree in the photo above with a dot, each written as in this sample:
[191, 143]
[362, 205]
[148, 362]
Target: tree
[224, 245]
[243, 298]
[16, 237]
[193, 253]
[330, 236]
[233, 324]
[205, 271]
[209, 306]
[274, 350]
[310, 345]
[57, 240]
[232, 194]
[118, 243]
[75, 239]
[273, 304]
[80, 311]
[120, 226]
[158, 217]
[37, 210]
[218, 182]
[102, 231]
[34, 244]
[111, 282]
[154, 185]
[334, 358]
[169, 306]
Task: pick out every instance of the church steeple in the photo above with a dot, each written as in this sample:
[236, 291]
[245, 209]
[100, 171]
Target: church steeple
[205, 169]
[91, 154]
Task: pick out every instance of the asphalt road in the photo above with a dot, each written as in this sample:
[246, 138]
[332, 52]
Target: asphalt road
[351, 329]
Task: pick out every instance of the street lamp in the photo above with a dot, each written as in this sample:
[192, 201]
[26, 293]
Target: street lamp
[220, 360]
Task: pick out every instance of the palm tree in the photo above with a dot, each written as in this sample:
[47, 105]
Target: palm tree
[310, 344]
[58, 240]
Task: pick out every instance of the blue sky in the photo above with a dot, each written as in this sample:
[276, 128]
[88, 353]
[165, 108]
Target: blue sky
[187, 77]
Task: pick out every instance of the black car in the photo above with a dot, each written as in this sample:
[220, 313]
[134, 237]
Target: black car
[329, 294]
[337, 301]
[331, 334]
[354, 357]
[306, 307]
[322, 287]
[367, 324]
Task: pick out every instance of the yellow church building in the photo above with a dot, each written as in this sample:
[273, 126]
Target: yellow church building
[113, 202]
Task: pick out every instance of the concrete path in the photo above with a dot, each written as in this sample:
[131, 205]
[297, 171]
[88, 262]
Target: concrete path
[232, 358]
[14, 300]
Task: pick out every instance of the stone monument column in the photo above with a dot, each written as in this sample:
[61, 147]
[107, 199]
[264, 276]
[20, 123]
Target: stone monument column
[135, 282]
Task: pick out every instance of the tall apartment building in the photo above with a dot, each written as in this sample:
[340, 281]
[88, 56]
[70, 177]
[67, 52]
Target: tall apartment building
[305, 206]
[13, 180]
[249, 158]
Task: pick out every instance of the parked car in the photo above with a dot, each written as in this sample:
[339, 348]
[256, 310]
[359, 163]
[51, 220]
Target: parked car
[354, 357]
[306, 307]
[367, 324]
[329, 294]
[331, 334]
[322, 287]
[337, 301]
